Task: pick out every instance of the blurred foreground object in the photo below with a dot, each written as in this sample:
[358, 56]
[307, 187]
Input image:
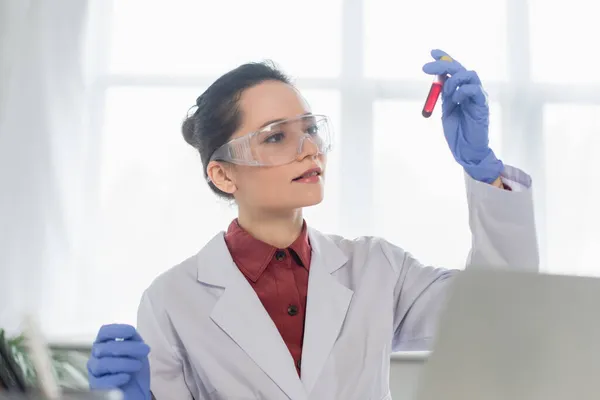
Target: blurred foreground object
[516, 335]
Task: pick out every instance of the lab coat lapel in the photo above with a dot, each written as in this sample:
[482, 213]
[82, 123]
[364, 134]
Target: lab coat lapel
[242, 316]
[327, 304]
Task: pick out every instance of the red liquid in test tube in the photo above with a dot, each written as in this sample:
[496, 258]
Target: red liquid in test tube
[432, 97]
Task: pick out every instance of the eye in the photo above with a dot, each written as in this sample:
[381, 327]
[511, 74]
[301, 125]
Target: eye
[312, 130]
[275, 138]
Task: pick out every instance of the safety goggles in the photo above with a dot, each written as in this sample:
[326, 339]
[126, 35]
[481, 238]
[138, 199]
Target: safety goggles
[278, 143]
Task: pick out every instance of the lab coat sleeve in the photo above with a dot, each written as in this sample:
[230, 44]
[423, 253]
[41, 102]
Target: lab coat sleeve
[166, 368]
[503, 236]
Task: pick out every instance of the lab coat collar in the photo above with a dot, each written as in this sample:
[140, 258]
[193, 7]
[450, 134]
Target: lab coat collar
[210, 272]
[242, 316]
[328, 301]
[322, 246]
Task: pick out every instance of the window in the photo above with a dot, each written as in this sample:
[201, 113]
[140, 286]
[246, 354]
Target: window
[359, 61]
[398, 36]
[573, 215]
[419, 200]
[207, 38]
[560, 40]
[156, 209]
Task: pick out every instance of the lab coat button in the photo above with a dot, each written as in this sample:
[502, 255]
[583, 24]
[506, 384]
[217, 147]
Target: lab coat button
[280, 255]
[292, 310]
[298, 364]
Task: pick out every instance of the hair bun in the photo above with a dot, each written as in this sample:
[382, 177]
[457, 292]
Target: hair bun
[188, 129]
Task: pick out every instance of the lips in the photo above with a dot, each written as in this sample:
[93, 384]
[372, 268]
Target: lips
[309, 173]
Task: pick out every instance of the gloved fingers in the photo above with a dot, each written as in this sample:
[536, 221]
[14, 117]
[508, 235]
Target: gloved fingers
[127, 348]
[109, 381]
[442, 67]
[117, 331]
[460, 78]
[112, 365]
[471, 91]
[437, 54]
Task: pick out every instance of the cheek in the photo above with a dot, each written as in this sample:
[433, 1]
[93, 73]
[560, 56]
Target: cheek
[262, 182]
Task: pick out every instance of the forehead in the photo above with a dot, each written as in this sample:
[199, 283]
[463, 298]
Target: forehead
[269, 101]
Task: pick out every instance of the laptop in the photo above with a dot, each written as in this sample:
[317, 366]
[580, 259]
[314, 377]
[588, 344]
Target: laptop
[516, 335]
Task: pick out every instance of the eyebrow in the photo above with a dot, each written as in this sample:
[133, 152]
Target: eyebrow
[281, 119]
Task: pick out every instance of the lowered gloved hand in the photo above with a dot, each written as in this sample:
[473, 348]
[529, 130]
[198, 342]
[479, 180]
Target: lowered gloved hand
[465, 118]
[119, 359]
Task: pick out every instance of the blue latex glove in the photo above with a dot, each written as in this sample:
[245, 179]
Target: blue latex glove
[465, 118]
[119, 359]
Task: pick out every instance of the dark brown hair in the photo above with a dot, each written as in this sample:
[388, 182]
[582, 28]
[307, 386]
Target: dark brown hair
[218, 116]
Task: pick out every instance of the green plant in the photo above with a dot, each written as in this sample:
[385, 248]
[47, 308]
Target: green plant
[69, 365]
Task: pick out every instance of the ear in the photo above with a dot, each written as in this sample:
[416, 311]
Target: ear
[221, 176]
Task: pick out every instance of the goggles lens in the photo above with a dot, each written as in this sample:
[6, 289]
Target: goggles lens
[279, 143]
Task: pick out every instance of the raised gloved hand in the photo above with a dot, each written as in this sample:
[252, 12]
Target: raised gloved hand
[119, 359]
[465, 118]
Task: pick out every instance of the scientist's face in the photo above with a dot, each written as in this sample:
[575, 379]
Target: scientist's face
[276, 188]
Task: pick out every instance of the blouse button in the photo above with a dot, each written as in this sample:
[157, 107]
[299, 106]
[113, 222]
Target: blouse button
[279, 255]
[292, 310]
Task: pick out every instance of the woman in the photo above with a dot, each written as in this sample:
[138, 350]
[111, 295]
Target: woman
[273, 309]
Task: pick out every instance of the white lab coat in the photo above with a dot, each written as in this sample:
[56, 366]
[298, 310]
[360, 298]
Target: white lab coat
[211, 338]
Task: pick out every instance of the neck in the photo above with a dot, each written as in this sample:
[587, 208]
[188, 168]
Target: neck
[278, 230]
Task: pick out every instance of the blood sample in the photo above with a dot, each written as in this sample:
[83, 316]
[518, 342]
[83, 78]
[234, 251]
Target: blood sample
[432, 97]
[435, 90]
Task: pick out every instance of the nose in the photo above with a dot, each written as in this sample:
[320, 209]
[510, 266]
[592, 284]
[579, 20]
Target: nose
[307, 148]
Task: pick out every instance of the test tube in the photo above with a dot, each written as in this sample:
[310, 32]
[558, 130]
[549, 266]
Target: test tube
[434, 93]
